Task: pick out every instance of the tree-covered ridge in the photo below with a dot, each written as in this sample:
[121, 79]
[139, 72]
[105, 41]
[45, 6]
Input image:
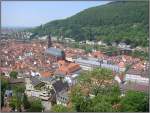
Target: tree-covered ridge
[116, 21]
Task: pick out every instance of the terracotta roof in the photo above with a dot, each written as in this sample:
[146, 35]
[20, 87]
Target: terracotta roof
[46, 74]
[97, 54]
[67, 68]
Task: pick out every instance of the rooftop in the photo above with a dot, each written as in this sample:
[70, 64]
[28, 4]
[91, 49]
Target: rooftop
[35, 81]
[46, 74]
[55, 51]
[60, 85]
[67, 68]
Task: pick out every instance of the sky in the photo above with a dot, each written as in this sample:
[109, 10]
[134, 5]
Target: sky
[35, 13]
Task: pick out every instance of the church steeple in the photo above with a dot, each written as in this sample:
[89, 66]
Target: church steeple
[49, 41]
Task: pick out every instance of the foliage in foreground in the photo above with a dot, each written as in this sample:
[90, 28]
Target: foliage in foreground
[59, 108]
[107, 97]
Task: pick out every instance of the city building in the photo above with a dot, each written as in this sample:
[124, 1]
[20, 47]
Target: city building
[56, 53]
[88, 64]
[137, 76]
[57, 88]
[68, 68]
[36, 88]
[63, 98]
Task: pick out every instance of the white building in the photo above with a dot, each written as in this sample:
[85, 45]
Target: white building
[90, 42]
[123, 45]
[101, 43]
[36, 88]
[43, 37]
[137, 76]
[90, 63]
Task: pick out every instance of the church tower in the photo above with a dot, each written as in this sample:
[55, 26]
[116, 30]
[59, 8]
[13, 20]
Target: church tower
[49, 41]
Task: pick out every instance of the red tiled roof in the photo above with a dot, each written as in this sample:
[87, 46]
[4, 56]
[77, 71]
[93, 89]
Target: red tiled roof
[68, 67]
[46, 74]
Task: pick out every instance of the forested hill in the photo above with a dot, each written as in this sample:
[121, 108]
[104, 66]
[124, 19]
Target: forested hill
[116, 21]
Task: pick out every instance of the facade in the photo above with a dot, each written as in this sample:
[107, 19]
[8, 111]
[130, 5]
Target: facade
[32, 90]
[136, 76]
[88, 64]
[62, 98]
[59, 89]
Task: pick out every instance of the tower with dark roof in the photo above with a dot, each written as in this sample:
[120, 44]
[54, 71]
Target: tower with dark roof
[49, 41]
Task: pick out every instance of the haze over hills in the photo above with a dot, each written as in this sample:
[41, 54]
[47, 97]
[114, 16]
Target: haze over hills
[125, 21]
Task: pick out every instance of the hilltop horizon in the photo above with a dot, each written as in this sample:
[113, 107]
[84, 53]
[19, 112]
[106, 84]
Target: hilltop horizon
[41, 12]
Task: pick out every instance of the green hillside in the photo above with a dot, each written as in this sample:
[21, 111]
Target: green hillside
[116, 21]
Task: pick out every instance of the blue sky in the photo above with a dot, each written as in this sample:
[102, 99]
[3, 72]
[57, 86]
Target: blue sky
[34, 13]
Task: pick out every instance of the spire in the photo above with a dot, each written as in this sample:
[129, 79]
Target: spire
[49, 41]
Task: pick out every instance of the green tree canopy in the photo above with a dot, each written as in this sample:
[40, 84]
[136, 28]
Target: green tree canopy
[13, 74]
[135, 102]
[59, 108]
[4, 86]
[26, 102]
[36, 106]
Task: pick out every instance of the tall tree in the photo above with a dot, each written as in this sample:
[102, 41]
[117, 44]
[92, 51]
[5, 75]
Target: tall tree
[13, 74]
[26, 102]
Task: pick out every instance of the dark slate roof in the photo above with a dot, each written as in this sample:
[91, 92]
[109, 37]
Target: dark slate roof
[55, 52]
[35, 81]
[60, 85]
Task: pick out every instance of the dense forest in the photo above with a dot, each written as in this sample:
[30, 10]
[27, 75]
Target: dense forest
[120, 21]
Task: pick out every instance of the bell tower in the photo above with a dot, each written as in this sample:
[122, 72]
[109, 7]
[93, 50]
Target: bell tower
[49, 41]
